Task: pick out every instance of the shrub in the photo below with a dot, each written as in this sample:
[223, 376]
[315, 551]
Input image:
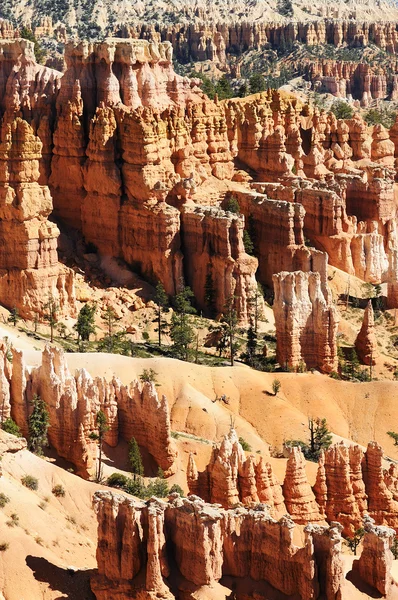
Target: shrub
[117, 480]
[148, 376]
[276, 386]
[58, 491]
[176, 489]
[136, 487]
[30, 482]
[245, 445]
[158, 488]
[13, 521]
[4, 546]
[342, 110]
[233, 206]
[10, 426]
[3, 500]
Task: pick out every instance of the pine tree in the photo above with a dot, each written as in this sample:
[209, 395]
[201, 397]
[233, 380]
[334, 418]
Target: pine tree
[230, 318]
[39, 422]
[353, 542]
[181, 331]
[210, 295]
[247, 242]
[162, 302]
[255, 303]
[14, 316]
[50, 315]
[110, 320]
[85, 322]
[320, 437]
[137, 468]
[233, 206]
[102, 428]
[251, 345]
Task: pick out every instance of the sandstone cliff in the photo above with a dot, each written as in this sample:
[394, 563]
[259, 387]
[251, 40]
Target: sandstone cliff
[306, 322]
[73, 402]
[140, 545]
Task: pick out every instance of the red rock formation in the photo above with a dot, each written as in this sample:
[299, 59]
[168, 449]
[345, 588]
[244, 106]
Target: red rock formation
[336, 481]
[225, 470]
[375, 562]
[381, 504]
[29, 268]
[366, 342]
[73, 402]
[205, 542]
[231, 478]
[305, 321]
[213, 247]
[299, 497]
[269, 490]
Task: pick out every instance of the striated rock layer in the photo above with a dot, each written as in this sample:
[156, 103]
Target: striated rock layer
[141, 546]
[73, 402]
[306, 322]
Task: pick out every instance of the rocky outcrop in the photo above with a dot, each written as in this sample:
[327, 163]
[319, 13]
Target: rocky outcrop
[205, 542]
[366, 342]
[73, 402]
[29, 269]
[211, 40]
[232, 477]
[215, 257]
[306, 322]
[375, 562]
[339, 488]
[299, 497]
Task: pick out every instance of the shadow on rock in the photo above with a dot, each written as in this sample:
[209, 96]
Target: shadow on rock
[70, 583]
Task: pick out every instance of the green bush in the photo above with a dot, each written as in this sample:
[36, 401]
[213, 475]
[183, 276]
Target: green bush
[176, 489]
[342, 110]
[117, 480]
[11, 427]
[245, 445]
[30, 482]
[58, 491]
[3, 500]
[233, 206]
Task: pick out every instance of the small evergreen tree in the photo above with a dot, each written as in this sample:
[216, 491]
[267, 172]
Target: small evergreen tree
[39, 422]
[85, 322]
[247, 242]
[232, 205]
[354, 541]
[148, 376]
[102, 428]
[251, 344]
[181, 331]
[210, 295]
[137, 468]
[40, 54]
[109, 317]
[255, 303]
[161, 301]
[257, 83]
[14, 316]
[223, 88]
[276, 386]
[230, 318]
[342, 110]
[51, 309]
[320, 437]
